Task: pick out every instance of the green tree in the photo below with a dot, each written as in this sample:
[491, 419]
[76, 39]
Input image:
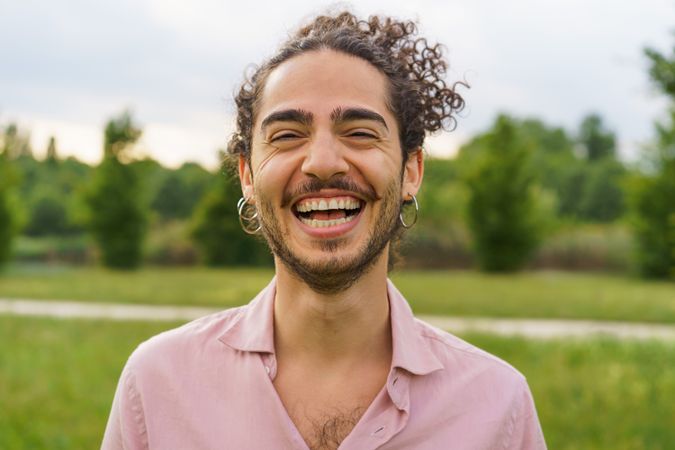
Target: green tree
[217, 232]
[8, 216]
[16, 142]
[602, 196]
[116, 217]
[47, 215]
[502, 212]
[596, 141]
[52, 156]
[180, 191]
[653, 193]
[557, 168]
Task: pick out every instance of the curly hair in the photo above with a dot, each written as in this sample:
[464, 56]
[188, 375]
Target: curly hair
[418, 96]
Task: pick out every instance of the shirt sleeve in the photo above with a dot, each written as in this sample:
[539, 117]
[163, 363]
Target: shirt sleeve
[126, 425]
[526, 430]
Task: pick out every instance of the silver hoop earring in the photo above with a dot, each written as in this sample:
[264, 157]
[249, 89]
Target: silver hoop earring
[417, 210]
[248, 216]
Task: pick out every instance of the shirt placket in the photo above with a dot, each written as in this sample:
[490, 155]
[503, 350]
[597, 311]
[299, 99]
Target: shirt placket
[375, 432]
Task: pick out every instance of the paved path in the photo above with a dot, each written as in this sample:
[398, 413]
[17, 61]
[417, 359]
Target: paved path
[539, 328]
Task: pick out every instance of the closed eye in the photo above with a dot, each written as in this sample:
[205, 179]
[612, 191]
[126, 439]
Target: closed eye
[285, 137]
[362, 135]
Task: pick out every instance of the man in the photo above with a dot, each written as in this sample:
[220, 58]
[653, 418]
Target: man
[329, 146]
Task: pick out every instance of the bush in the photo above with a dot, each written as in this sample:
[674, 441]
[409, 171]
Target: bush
[502, 211]
[117, 220]
[117, 217]
[652, 199]
[48, 215]
[8, 211]
[217, 231]
[169, 244]
[603, 247]
[74, 249]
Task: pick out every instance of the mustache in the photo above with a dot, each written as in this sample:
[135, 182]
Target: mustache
[314, 185]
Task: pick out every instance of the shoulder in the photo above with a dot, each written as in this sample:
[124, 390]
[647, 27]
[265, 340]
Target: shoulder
[178, 345]
[475, 395]
[460, 357]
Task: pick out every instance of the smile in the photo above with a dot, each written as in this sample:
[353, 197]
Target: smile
[323, 212]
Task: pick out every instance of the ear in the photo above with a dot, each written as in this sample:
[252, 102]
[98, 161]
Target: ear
[246, 179]
[413, 171]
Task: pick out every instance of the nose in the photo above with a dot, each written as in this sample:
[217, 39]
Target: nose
[324, 158]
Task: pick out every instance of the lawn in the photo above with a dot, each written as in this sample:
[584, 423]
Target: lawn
[529, 294]
[57, 379]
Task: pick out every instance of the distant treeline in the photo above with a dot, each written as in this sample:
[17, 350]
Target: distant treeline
[574, 180]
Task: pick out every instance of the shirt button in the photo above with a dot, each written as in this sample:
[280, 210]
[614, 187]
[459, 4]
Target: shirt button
[267, 368]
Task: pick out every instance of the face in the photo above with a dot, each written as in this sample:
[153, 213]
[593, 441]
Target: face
[326, 170]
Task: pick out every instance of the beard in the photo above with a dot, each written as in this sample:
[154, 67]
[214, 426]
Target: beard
[337, 273]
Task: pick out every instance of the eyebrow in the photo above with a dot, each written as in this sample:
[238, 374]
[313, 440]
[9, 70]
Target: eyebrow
[337, 115]
[349, 114]
[288, 115]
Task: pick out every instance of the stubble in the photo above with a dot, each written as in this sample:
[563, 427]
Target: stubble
[336, 273]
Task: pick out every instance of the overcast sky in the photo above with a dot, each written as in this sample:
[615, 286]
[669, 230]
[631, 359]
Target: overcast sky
[67, 66]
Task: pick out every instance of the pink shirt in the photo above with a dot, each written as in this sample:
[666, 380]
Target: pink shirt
[208, 385]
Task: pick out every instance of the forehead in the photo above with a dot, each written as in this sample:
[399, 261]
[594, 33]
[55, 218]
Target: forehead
[320, 81]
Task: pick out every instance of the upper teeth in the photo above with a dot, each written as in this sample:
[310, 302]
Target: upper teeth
[323, 204]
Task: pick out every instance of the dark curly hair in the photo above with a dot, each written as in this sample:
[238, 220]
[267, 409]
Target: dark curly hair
[418, 96]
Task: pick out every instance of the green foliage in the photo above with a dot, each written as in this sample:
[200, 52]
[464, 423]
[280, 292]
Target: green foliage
[169, 244]
[653, 221]
[602, 195]
[439, 238]
[47, 214]
[16, 142]
[662, 71]
[180, 191]
[117, 220]
[586, 247]
[9, 213]
[117, 217]
[501, 212]
[54, 249]
[52, 156]
[653, 193]
[217, 231]
[588, 189]
[120, 132]
[597, 142]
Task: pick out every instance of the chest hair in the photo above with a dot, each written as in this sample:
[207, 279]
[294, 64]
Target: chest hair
[326, 432]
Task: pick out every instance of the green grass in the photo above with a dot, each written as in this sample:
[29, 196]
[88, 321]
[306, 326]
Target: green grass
[566, 295]
[598, 393]
[529, 294]
[57, 380]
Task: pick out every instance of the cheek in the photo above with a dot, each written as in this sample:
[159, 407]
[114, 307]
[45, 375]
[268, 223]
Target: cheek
[379, 168]
[274, 171]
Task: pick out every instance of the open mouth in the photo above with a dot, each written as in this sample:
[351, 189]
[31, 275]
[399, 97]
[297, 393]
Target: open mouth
[327, 212]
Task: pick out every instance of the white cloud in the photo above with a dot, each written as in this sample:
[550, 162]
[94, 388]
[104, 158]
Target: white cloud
[70, 65]
[72, 138]
[172, 144]
[445, 145]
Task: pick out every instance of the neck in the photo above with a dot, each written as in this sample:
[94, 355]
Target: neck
[337, 328]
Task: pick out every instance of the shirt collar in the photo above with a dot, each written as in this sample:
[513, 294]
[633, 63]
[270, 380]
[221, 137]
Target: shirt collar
[253, 331]
[410, 349]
